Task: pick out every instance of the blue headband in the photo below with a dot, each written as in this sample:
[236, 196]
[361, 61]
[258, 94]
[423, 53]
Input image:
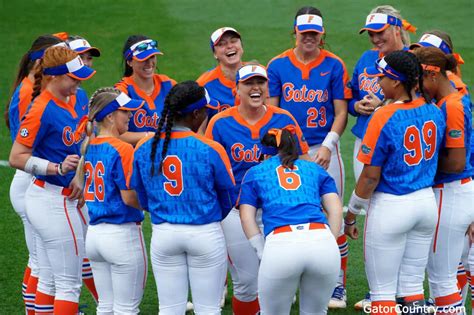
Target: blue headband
[35, 55]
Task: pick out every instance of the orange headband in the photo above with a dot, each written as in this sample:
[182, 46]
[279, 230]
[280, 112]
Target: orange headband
[408, 27]
[458, 58]
[61, 35]
[430, 68]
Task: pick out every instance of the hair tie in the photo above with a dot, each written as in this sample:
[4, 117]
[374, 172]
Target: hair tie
[408, 26]
[277, 133]
[81, 127]
[430, 68]
[458, 58]
[61, 35]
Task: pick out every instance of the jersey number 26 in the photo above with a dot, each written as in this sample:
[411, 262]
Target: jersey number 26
[94, 191]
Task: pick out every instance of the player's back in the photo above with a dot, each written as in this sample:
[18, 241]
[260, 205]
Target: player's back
[184, 192]
[404, 140]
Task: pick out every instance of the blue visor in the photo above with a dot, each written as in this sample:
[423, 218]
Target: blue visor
[121, 102]
[74, 68]
[382, 68]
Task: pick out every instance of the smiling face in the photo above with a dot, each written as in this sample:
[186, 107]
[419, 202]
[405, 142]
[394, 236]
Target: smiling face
[387, 40]
[120, 120]
[308, 42]
[87, 58]
[64, 85]
[144, 69]
[228, 50]
[253, 92]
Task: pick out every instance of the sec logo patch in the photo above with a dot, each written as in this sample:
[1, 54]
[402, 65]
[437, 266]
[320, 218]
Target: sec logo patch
[24, 132]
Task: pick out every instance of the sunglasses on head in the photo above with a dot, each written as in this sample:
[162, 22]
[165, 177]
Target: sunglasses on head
[145, 46]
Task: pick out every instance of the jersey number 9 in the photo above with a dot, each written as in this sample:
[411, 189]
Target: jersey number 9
[412, 143]
[94, 180]
[173, 172]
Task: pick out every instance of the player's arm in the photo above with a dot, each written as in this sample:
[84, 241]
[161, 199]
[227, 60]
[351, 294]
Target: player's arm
[452, 160]
[365, 187]
[130, 198]
[133, 137]
[251, 229]
[333, 206]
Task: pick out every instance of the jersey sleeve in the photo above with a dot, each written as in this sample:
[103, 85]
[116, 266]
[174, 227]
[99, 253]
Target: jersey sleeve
[212, 132]
[455, 126]
[33, 127]
[374, 148]
[248, 193]
[136, 181]
[354, 86]
[326, 183]
[339, 80]
[274, 82]
[122, 86]
[123, 167]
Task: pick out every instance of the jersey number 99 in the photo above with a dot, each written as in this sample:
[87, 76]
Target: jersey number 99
[173, 172]
[288, 179]
[412, 143]
[94, 180]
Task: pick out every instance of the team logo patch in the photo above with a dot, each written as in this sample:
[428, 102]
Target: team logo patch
[365, 149]
[24, 132]
[455, 133]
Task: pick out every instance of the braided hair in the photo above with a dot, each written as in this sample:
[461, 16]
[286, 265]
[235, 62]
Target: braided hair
[179, 97]
[26, 65]
[406, 63]
[101, 98]
[132, 39]
[287, 150]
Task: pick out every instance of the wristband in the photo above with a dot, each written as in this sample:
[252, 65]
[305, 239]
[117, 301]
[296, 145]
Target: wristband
[258, 243]
[350, 224]
[356, 204]
[36, 166]
[60, 169]
[331, 140]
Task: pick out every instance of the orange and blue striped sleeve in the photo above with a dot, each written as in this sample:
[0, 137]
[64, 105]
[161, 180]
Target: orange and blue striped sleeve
[30, 128]
[455, 122]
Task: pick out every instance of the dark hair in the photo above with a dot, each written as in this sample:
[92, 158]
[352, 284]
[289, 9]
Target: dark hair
[406, 63]
[179, 97]
[288, 149]
[436, 57]
[132, 39]
[313, 11]
[26, 65]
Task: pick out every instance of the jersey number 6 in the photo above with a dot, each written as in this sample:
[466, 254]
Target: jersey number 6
[97, 175]
[173, 172]
[412, 143]
[288, 179]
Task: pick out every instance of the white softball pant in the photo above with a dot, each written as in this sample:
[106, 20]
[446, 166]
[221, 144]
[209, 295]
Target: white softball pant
[336, 167]
[398, 233]
[304, 258]
[456, 211]
[60, 241]
[20, 183]
[357, 165]
[119, 262]
[188, 255]
[243, 260]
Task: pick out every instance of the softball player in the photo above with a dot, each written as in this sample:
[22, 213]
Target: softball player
[47, 146]
[186, 182]
[239, 129]
[453, 188]
[290, 192]
[226, 45]
[400, 153]
[142, 83]
[310, 82]
[114, 241]
[14, 111]
[388, 32]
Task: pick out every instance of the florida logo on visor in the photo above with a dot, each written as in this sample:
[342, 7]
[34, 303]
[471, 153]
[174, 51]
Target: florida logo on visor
[250, 71]
[309, 23]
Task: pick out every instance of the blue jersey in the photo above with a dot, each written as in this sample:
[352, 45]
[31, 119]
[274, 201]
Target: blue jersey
[404, 140]
[19, 103]
[107, 166]
[49, 128]
[308, 91]
[287, 196]
[196, 185]
[456, 109]
[219, 88]
[147, 117]
[242, 141]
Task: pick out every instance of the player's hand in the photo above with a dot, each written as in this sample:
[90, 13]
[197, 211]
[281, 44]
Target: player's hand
[76, 188]
[363, 107]
[81, 202]
[372, 100]
[351, 231]
[70, 163]
[470, 233]
[323, 157]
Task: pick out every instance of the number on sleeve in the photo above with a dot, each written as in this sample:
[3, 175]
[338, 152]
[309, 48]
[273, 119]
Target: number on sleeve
[94, 175]
[173, 172]
[288, 179]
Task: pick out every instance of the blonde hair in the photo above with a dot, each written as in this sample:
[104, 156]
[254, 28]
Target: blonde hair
[53, 57]
[101, 98]
[388, 9]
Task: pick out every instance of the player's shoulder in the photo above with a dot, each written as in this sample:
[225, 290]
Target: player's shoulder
[163, 78]
[120, 146]
[332, 56]
[141, 144]
[214, 145]
[223, 116]
[207, 76]
[279, 58]
[123, 84]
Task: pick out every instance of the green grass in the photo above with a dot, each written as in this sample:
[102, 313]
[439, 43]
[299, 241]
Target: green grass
[183, 29]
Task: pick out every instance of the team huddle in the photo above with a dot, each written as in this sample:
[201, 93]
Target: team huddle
[241, 171]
